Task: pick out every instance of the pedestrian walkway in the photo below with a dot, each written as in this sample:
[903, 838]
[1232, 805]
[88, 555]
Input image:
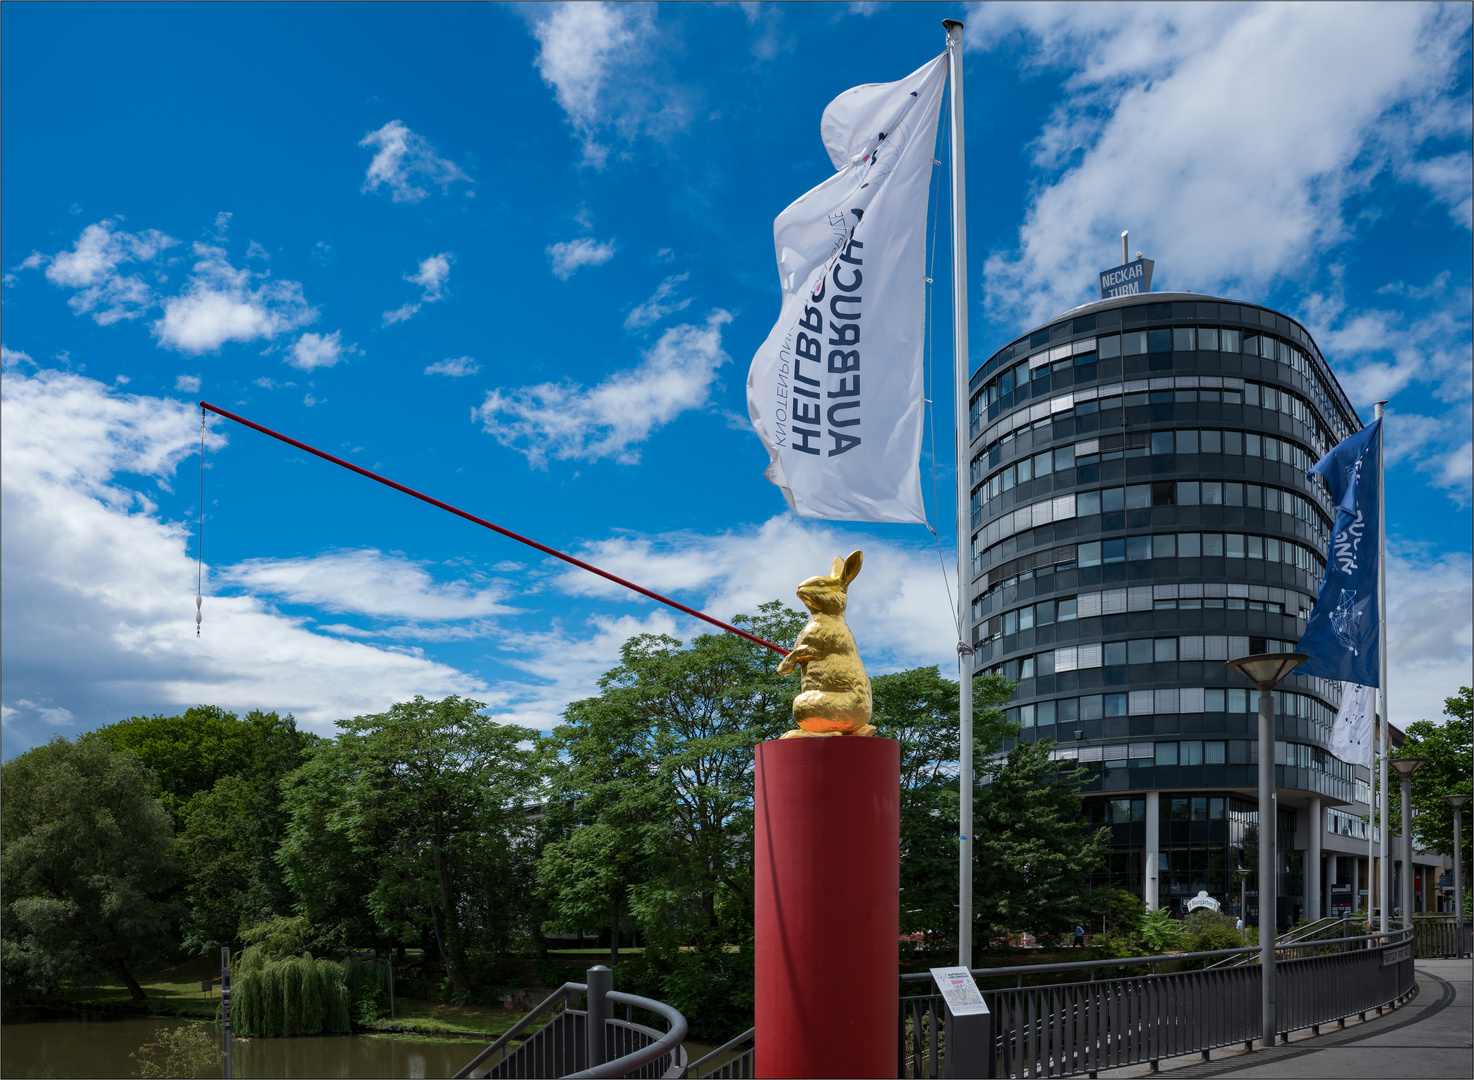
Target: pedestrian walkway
[1430, 1036]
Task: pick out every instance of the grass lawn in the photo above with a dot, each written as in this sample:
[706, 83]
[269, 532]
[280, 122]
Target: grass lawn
[175, 991]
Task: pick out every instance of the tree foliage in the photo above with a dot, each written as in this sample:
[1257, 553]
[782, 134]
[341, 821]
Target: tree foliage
[429, 799]
[219, 776]
[87, 859]
[919, 708]
[655, 793]
[1449, 748]
[1034, 854]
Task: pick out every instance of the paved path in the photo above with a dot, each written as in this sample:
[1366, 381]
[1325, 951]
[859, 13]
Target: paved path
[1430, 1036]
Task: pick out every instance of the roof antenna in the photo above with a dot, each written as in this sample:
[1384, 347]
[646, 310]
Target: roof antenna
[199, 588]
[1124, 257]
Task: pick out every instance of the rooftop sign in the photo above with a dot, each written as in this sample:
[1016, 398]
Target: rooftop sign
[1134, 277]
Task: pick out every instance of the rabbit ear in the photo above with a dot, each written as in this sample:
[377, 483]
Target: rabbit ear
[851, 567]
[837, 568]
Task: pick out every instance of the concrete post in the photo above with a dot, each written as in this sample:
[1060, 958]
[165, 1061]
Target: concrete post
[1313, 903]
[1333, 878]
[1151, 886]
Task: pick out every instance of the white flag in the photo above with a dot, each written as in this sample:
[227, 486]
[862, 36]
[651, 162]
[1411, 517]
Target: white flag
[1351, 734]
[835, 392]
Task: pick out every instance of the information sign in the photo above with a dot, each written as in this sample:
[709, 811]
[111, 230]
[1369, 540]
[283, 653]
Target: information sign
[1128, 280]
[959, 991]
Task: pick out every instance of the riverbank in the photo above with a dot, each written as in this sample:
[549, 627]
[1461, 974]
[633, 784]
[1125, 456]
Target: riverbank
[175, 992]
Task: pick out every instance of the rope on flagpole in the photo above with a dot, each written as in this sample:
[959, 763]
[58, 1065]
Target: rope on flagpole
[448, 508]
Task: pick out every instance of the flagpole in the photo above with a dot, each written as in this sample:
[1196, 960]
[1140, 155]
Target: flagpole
[1384, 878]
[964, 521]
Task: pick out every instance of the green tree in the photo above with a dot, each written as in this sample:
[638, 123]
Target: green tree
[1449, 748]
[433, 795]
[919, 709]
[661, 763]
[220, 778]
[86, 853]
[331, 869]
[1034, 853]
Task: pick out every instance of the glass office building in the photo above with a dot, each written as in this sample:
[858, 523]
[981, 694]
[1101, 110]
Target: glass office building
[1140, 514]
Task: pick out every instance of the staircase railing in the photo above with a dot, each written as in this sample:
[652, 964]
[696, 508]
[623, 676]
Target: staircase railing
[588, 1042]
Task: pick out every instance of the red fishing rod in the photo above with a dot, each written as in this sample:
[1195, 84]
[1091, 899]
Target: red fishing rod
[494, 527]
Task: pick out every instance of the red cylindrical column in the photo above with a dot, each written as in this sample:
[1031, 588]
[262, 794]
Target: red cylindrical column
[827, 881]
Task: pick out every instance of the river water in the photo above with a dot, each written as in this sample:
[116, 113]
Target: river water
[65, 1043]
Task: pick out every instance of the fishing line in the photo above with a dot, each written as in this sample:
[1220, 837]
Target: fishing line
[199, 572]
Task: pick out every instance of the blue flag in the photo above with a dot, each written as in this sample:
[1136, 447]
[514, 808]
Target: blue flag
[1341, 636]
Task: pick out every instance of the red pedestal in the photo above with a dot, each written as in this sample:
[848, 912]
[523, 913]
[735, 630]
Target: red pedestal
[827, 881]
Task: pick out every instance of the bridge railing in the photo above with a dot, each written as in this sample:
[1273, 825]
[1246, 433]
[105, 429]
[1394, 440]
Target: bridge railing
[1440, 936]
[1090, 1022]
[589, 1042]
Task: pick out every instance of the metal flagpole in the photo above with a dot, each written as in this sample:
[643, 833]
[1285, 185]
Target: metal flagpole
[964, 521]
[1385, 876]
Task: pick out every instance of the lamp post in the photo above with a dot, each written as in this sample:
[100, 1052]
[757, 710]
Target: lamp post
[1458, 802]
[1243, 872]
[1405, 768]
[1266, 671]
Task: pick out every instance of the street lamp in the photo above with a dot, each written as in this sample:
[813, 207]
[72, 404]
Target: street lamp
[1243, 873]
[1265, 671]
[1405, 768]
[1458, 802]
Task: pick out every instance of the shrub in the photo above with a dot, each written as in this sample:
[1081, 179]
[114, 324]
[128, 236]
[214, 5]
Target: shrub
[1158, 930]
[188, 1050]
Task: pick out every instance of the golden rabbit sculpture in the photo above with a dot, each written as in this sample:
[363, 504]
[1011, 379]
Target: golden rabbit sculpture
[836, 691]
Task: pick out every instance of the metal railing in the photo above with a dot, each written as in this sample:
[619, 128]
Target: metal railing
[569, 1044]
[736, 1067]
[1094, 1023]
[1439, 937]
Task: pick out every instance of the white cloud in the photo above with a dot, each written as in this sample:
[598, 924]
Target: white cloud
[10, 358]
[404, 161]
[566, 421]
[431, 277]
[50, 715]
[1430, 640]
[188, 384]
[367, 582]
[312, 351]
[400, 314]
[456, 367]
[1226, 137]
[899, 606]
[434, 272]
[662, 302]
[220, 303]
[91, 268]
[91, 571]
[568, 256]
[596, 57]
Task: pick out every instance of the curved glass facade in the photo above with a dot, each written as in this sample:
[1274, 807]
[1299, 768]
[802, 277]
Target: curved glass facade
[1141, 513]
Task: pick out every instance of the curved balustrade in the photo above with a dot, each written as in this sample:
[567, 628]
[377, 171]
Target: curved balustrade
[1096, 1023]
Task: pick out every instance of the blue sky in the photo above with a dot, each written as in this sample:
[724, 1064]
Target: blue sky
[520, 257]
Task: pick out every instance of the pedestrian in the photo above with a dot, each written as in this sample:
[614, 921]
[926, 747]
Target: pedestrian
[1239, 925]
[1079, 937]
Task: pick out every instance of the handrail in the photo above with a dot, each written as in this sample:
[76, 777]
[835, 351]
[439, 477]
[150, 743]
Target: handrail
[1135, 961]
[667, 1043]
[694, 1069]
[560, 994]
